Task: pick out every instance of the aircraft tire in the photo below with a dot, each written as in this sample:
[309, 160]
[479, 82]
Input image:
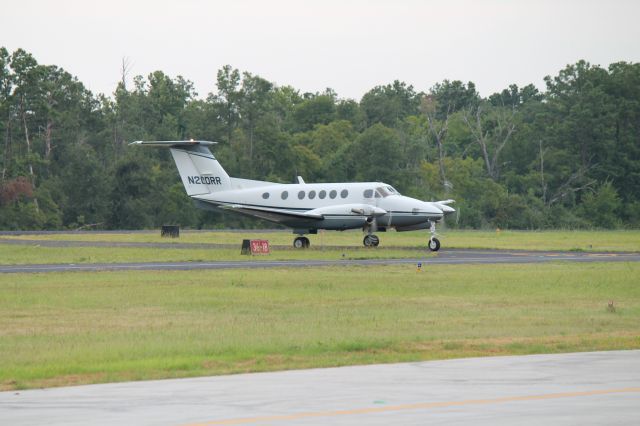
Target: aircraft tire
[299, 243]
[434, 244]
[371, 241]
[306, 242]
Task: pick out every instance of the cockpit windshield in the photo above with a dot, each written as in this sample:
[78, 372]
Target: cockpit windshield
[386, 191]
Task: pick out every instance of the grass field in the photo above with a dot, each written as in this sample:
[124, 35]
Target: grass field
[71, 328]
[327, 245]
[28, 254]
[529, 240]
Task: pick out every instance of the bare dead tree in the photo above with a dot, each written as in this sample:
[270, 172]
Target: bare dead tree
[543, 184]
[6, 160]
[23, 116]
[438, 130]
[575, 183]
[491, 141]
[48, 130]
[125, 68]
[48, 147]
[118, 125]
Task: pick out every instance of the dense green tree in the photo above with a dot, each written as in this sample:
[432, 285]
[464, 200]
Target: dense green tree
[390, 104]
[568, 156]
[378, 154]
[453, 96]
[315, 109]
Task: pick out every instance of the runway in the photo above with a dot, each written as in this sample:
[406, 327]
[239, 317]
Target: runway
[444, 257]
[561, 389]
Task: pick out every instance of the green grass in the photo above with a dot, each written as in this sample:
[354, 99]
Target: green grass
[392, 244]
[528, 240]
[35, 254]
[72, 328]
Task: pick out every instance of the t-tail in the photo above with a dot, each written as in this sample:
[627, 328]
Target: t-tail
[199, 170]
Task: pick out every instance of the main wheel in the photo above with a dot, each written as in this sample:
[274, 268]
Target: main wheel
[305, 242]
[299, 242]
[371, 241]
[434, 244]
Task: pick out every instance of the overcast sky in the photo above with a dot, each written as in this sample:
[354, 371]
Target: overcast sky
[348, 45]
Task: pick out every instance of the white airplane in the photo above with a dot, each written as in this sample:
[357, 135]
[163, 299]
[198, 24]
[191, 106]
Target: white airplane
[305, 207]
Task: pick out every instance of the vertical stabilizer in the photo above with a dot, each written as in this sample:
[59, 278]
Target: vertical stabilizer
[199, 170]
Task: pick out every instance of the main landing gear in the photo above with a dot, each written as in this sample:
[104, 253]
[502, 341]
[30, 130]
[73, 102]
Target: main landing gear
[301, 242]
[371, 240]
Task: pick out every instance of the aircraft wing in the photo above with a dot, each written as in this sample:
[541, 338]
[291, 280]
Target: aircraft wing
[272, 214]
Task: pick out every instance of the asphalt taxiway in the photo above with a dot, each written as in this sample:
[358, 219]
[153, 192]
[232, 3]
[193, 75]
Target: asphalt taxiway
[594, 388]
[444, 257]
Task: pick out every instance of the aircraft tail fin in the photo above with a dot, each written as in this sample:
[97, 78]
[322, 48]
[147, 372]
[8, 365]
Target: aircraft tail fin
[199, 170]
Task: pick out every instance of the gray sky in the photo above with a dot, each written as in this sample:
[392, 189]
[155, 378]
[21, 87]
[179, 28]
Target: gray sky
[348, 45]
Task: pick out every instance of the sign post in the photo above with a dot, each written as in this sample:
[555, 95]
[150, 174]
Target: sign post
[255, 247]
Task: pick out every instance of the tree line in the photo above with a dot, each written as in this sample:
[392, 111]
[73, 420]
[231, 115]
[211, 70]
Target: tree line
[567, 157]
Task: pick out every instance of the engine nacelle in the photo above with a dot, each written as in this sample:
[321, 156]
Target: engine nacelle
[350, 210]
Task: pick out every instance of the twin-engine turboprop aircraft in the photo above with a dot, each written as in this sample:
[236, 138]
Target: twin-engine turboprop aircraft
[305, 207]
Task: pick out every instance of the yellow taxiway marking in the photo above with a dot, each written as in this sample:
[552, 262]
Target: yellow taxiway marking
[418, 406]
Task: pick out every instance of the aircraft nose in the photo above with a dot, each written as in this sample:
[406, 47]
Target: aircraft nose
[431, 209]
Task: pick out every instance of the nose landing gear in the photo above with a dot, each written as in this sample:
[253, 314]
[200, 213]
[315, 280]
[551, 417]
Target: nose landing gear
[434, 243]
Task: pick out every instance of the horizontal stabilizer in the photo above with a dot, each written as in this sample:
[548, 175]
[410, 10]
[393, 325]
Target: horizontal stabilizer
[169, 144]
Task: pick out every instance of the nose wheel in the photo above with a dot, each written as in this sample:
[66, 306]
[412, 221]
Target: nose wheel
[371, 241]
[301, 242]
[434, 243]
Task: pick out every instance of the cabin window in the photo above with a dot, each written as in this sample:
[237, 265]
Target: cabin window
[333, 194]
[284, 195]
[344, 193]
[265, 195]
[368, 193]
[312, 195]
[301, 195]
[322, 194]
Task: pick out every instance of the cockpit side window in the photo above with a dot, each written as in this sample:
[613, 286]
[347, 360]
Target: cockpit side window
[382, 191]
[385, 191]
